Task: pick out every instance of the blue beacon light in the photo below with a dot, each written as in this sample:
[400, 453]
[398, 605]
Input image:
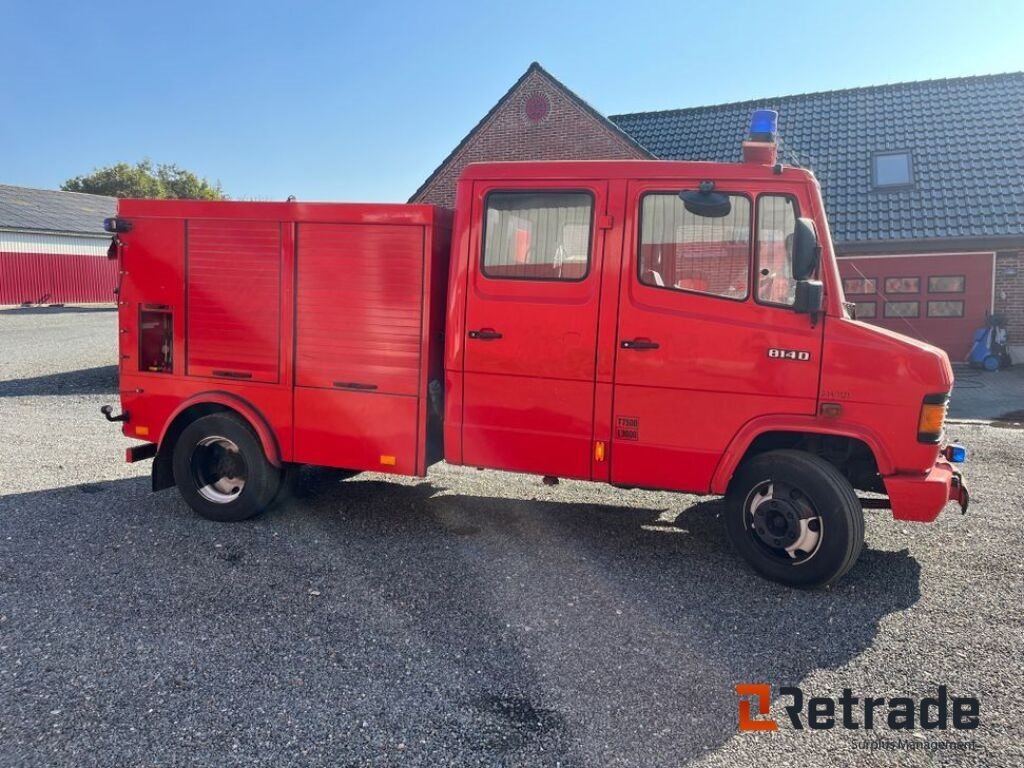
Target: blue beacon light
[957, 454]
[764, 125]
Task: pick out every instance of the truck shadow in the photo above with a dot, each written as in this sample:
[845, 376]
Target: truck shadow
[101, 380]
[483, 629]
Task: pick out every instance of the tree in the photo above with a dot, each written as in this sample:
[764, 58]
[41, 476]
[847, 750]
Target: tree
[144, 179]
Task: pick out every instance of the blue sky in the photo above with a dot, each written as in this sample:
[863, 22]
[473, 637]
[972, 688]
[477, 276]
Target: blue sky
[360, 101]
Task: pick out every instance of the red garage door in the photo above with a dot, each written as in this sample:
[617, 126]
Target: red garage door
[939, 298]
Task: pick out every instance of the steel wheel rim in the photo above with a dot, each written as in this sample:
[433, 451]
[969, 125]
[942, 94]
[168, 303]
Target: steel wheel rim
[218, 469]
[783, 523]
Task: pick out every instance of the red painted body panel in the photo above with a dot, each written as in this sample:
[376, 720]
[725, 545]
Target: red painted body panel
[356, 429]
[56, 278]
[880, 378]
[368, 312]
[921, 497]
[158, 399]
[952, 334]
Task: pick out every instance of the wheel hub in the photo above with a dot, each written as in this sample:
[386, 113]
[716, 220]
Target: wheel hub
[782, 519]
[218, 469]
[776, 523]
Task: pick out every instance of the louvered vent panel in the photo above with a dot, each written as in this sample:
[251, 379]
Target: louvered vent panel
[234, 299]
[359, 297]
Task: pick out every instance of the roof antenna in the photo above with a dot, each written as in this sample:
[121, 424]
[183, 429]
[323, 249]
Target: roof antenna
[290, 199]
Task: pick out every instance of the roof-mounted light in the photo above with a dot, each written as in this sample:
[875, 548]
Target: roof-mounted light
[764, 125]
[116, 224]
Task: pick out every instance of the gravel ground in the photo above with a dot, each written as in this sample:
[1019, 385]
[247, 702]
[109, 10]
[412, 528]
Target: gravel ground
[472, 618]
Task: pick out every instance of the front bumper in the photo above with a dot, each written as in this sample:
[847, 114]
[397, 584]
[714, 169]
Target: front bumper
[922, 497]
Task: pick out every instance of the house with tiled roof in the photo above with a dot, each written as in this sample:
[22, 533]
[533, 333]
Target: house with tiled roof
[923, 182]
[53, 249]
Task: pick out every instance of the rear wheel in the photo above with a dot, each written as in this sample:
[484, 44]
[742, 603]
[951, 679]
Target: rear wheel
[221, 470]
[794, 518]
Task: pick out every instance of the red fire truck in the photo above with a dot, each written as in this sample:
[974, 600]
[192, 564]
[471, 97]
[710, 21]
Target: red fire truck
[667, 325]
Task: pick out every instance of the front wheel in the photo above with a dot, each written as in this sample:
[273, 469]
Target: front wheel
[794, 518]
[221, 470]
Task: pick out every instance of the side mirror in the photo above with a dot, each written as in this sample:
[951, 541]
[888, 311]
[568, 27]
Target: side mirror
[806, 250]
[810, 297]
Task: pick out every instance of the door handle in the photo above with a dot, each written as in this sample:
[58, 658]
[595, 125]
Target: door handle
[355, 385]
[485, 334]
[640, 344]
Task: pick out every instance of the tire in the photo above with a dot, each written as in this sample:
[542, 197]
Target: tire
[794, 518]
[221, 471]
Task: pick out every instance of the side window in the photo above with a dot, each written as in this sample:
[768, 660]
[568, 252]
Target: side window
[776, 222]
[684, 251]
[537, 235]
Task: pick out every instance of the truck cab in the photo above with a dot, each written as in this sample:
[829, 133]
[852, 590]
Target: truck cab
[668, 325]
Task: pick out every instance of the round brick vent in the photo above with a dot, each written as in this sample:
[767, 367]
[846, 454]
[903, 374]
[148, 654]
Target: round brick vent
[537, 107]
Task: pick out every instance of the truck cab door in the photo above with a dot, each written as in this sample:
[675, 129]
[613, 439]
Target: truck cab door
[707, 336]
[531, 326]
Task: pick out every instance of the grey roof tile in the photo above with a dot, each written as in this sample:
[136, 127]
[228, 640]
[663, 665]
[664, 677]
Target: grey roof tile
[53, 211]
[964, 135]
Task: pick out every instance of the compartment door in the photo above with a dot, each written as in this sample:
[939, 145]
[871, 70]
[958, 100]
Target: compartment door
[358, 346]
[233, 294]
[531, 321]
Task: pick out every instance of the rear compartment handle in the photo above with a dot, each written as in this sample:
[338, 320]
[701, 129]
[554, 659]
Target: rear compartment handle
[355, 385]
[233, 374]
[485, 334]
[640, 344]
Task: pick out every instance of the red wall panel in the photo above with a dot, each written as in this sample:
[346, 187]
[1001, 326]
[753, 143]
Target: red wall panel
[52, 278]
[953, 334]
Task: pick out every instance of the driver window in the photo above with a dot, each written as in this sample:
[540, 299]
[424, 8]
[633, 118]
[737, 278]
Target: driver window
[537, 235]
[776, 223]
[682, 251]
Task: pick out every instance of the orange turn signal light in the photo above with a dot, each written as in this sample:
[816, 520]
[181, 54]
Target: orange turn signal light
[932, 418]
[387, 461]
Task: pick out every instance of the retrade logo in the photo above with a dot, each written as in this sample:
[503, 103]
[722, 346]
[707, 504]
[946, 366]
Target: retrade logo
[938, 712]
[761, 694]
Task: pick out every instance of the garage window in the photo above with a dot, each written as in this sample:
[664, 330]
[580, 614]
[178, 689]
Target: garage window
[866, 310]
[945, 309]
[902, 309]
[946, 284]
[902, 284]
[853, 286]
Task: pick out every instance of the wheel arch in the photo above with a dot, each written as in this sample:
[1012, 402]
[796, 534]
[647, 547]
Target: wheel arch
[204, 404]
[768, 433]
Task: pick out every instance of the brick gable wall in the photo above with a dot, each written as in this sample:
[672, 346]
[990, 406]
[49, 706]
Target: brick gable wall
[1009, 298]
[539, 120]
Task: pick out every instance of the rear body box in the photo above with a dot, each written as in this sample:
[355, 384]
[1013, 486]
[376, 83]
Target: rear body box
[322, 321]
